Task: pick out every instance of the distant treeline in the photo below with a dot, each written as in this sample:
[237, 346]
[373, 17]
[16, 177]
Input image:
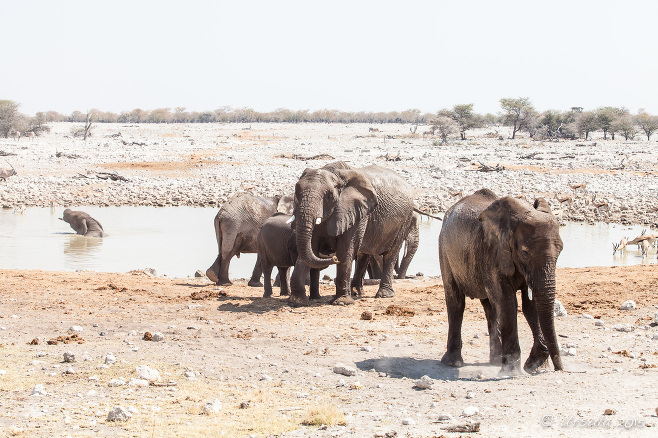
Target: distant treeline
[517, 113]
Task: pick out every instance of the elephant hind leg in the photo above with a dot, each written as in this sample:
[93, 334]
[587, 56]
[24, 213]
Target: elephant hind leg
[509, 335]
[388, 265]
[495, 345]
[455, 303]
[213, 272]
[362, 264]
[284, 281]
[256, 273]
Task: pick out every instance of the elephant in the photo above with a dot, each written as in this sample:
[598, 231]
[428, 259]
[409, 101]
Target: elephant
[360, 212]
[236, 226]
[489, 248]
[277, 247]
[401, 265]
[82, 223]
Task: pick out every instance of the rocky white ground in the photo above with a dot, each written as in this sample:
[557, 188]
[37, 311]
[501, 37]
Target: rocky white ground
[203, 164]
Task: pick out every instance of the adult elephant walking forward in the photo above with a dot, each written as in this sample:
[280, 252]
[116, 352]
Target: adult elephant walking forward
[363, 211]
[490, 248]
[236, 227]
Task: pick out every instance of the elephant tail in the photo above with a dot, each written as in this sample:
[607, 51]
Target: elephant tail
[427, 214]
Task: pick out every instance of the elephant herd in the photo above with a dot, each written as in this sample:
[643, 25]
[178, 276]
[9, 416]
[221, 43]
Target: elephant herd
[489, 248]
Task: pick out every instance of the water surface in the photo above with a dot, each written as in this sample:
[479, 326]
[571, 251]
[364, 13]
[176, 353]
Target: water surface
[177, 241]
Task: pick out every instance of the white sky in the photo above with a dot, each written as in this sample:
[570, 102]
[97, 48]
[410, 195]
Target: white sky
[347, 55]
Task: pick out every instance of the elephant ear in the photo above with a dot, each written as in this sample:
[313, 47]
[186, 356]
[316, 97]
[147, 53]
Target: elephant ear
[541, 205]
[356, 200]
[496, 224]
[82, 229]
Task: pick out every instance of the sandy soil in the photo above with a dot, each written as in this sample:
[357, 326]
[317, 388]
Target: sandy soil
[270, 365]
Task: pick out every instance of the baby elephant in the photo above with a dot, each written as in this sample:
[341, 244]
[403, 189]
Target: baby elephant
[277, 247]
[82, 223]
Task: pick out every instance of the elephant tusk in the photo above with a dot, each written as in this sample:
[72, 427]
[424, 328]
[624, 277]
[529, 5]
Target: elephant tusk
[292, 218]
[318, 220]
[335, 259]
[530, 294]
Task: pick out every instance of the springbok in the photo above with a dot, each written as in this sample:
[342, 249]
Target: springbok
[575, 187]
[644, 247]
[564, 199]
[15, 135]
[620, 246]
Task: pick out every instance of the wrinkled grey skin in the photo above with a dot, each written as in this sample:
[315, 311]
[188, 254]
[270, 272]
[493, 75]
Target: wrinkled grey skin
[401, 265]
[236, 226]
[490, 248]
[82, 223]
[277, 247]
[367, 211]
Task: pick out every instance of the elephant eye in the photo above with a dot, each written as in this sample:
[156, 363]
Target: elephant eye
[329, 196]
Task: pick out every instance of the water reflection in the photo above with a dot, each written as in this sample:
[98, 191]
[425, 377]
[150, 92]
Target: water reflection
[177, 241]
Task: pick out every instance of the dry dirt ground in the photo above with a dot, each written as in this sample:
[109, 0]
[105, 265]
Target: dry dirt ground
[271, 366]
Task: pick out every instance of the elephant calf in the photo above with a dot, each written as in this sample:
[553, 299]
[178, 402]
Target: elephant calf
[82, 223]
[277, 247]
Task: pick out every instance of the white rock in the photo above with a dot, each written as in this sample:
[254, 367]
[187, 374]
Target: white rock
[444, 417]
[586, 316]
[158, 337]
[424, 382]
[119, 413]
[339, 368]
[408, 421]
[599, 323]
[75, 328]
[265, 378]
[470, 411]
[367, 348]
[116, 382]
[190, 375]
[138, 382]
[69, 370]
[655, 336]
[469, 394]
[39, 390]
[3, 372]
[212, 407]
[147, 373]
[628, 305]
[558, 309]
[110, 359]
[627, 328]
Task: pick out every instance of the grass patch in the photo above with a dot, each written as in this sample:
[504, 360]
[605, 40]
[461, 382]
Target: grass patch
[326, 414]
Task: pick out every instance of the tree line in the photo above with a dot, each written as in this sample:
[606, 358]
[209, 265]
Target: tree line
[517, 113]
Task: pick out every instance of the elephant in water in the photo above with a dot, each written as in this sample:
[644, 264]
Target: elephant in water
[82, 223]
[236, 227]
[490, 248]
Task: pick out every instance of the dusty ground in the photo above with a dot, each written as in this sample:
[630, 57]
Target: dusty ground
[243, 348]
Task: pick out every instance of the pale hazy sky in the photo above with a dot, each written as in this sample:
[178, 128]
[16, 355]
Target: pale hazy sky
[348, 55]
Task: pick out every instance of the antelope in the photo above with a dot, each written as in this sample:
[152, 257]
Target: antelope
[575, 187]
[454, 194]
[19, 209]
[30, 134]
[620, 246]
[600, 205]
[564, 199]
[644, 247]
[16, 135]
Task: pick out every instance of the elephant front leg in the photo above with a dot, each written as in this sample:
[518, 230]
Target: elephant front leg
[455, 303]
[539, 353]
[298, 284]
[495, 345]
[284, 281]
[314, 284]
[267, 280]
[255, 275]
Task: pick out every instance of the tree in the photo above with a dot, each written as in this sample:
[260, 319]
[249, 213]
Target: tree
[445, 127]
[160, 115]
[647, 123]
[586, 122]
[8, 115]
[606, 117]
[464, 116]
[625, 124]
[517, 113]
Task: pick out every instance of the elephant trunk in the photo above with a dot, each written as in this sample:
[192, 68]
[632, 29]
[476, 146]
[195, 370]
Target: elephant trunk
[544, 294]
[304, 231]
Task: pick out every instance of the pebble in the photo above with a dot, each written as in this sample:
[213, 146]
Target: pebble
[110, 359]
[444, 417]
[212, 406]
[469, 394]
[190, 375]
[345, 370]
[599, 323]
[69, 356]
[39, 389]
[586, 316]
[266, 378]
[69, 370]
[138, 382]
[424, 382]
[119, 413]
[158, 337]
[470, 411]
[75, 328]
[558, 309]
[408, 421]
[628, 305]
[627, 328]
[366, 348]
[147, 373]
[116, 382]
